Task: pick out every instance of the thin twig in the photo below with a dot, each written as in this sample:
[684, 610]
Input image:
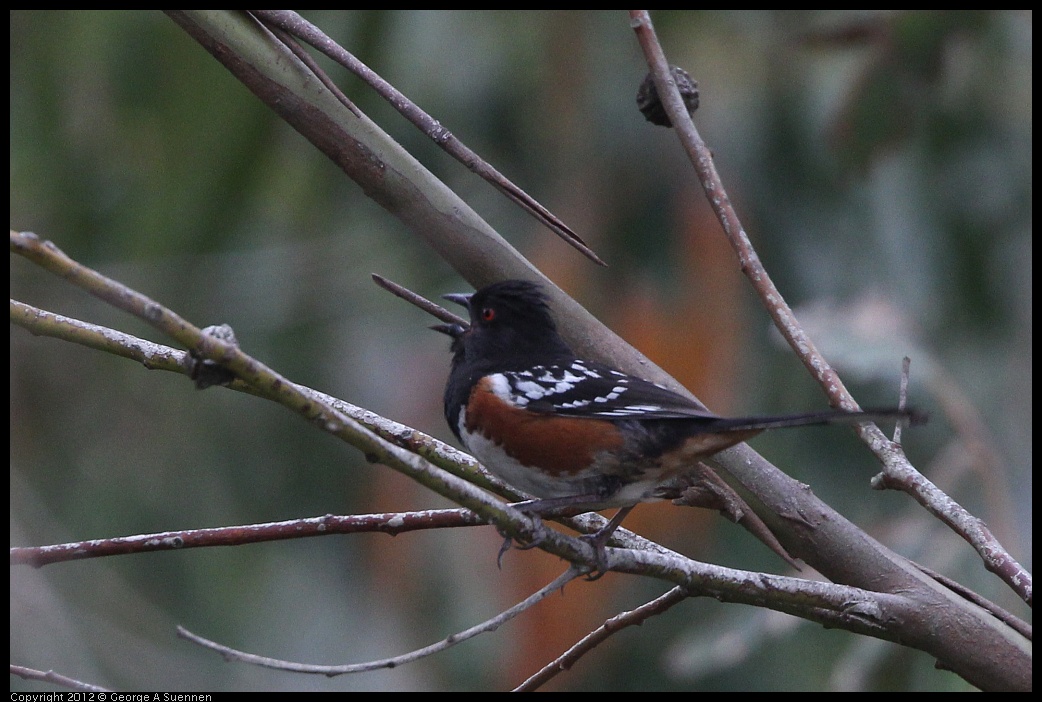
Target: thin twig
[902, 394]
[149, 354]
[299, 27]
[702, 159]
[897, 471]
[620, 621]
[446, 643]
[52, 677]
[420, 301]
[308, 61]
[999, 613]
[392, 523]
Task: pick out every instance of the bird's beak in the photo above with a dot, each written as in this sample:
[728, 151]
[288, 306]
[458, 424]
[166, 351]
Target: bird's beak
[453, 330]
[459, 298]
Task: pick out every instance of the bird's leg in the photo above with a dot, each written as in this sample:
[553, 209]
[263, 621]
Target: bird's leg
[536, 508]
[599, 541]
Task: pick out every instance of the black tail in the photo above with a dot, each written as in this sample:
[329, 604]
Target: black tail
[905, 416]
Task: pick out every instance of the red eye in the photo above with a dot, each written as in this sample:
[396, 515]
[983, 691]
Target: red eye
[488, 314]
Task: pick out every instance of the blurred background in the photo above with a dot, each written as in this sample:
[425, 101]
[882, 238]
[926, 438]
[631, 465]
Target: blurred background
[880, 162]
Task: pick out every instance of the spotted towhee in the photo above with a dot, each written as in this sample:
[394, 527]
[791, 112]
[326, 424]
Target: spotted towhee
[571, 431]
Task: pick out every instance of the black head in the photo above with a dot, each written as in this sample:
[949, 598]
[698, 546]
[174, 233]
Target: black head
[510, 324]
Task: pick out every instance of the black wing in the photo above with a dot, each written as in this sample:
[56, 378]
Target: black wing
[586, 389]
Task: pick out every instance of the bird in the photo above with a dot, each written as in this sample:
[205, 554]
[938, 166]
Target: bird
[573, 432]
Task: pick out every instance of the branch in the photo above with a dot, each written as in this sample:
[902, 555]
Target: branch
[635, 617]
[52, 677]
[392, 523]
[898, 472]
[446, 643]
[797, 528]
[297, 26]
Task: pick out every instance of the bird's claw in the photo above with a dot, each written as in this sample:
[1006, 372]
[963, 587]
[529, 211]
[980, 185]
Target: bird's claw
[508, 541]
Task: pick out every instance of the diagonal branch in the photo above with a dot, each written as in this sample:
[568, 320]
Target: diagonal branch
[620, 621]
[297, 26]
[800, 527]
[898, 472]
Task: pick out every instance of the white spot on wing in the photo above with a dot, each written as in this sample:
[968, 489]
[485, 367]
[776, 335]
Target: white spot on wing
[575, 404]
[530, 389]
[631, 411]
[500, 386]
